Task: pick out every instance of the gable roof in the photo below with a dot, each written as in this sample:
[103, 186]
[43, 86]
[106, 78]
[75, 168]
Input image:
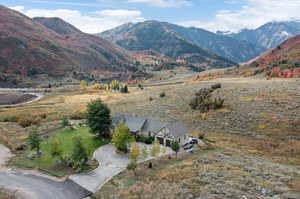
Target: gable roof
[154, 126]
[178, 129]
[134, 123]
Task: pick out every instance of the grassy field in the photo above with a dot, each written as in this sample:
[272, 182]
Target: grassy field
[65, 138]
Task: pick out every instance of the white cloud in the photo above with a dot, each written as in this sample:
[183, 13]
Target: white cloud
[17, 8]
[90, 23]
[119, 13]
[252, 15]
[163, 3]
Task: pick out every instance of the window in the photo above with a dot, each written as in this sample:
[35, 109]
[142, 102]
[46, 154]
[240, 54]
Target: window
[179, 139]
[149, 134]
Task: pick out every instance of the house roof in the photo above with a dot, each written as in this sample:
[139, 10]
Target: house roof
[153, 125]
[134, 123]
[178, 129]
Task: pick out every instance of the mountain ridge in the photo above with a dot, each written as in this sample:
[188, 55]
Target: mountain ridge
[228, 47]
[154, 35]
[28, 47]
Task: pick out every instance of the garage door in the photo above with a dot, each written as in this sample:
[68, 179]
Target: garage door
[160, 140]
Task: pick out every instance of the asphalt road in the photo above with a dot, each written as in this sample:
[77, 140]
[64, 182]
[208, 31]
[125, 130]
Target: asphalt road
[37, 187]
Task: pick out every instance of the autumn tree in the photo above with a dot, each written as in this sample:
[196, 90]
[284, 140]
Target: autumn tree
[122, 137]
[83, 84]
[145, 152]
[135, 152]
[155, 149]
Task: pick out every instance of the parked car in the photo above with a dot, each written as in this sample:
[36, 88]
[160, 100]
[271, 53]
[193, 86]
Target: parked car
[188, 146]
[194, 141]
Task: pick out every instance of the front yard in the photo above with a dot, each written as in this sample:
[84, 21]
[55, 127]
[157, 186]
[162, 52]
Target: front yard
[65, 138]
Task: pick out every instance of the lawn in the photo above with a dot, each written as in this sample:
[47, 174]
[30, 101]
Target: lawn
[65, 138]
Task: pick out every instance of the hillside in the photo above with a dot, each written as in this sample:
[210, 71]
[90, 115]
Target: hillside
[157, 36]
[52, 47]
[282, 61]
[269, 35]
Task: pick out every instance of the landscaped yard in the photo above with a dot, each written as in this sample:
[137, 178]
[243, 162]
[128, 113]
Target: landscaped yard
[65, 138]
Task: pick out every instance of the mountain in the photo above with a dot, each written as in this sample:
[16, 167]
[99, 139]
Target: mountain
[53, 47]
[269, 35]
[233, 49]
[161, 37]
[282, 61]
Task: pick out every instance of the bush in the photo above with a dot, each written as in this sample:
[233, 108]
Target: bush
[146, 140]
[98, 86]
[162, 94]
[78, 116]
[216, 86]
[65, 122]
[27, 121]
[10, 119]
[203, 101]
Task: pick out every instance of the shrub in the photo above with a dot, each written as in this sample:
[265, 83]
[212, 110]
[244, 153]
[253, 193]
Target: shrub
[11, 119]
[146, 140]
[27, 121]
[65, 122]
[98, 86]
[216, 86]
[78, 116]
[162, 94]
[203, 101]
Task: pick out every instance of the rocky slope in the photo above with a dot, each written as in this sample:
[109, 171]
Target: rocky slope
[269, 35]
[282, 61]
[157, 36]
[53, 47]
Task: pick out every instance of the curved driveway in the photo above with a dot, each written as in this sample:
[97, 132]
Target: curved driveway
[110, 164]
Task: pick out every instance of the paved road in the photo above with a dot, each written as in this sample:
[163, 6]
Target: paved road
[110, 164]
[36, 187]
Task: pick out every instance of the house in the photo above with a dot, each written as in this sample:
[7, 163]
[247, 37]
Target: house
[163, 132]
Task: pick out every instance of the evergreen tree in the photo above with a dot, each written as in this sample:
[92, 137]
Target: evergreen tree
[98, 118]
[79, 154]
[175, 146]
[35, 141]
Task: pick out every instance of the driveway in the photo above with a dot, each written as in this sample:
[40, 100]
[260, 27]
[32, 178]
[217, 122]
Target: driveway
[30, 186]
[110, 164]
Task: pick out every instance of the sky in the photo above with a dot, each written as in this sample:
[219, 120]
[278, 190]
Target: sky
[94, 16]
